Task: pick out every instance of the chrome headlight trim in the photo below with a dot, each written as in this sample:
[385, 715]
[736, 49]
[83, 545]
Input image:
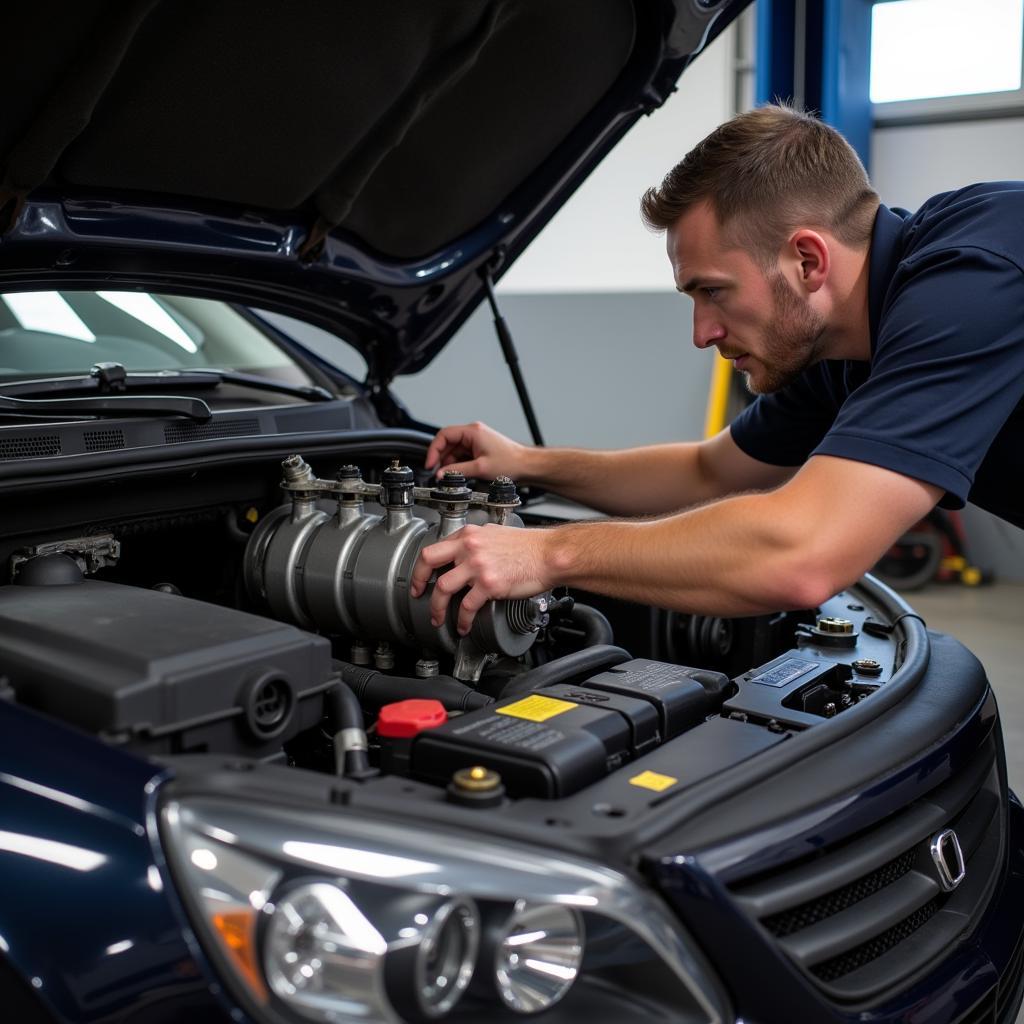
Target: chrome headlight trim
[526, 986]
[363, 849]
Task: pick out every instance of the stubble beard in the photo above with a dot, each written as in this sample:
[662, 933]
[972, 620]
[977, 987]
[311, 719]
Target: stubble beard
[792, 340]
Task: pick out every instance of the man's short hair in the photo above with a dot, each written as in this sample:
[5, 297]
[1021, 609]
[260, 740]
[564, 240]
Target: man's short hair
[765, 173]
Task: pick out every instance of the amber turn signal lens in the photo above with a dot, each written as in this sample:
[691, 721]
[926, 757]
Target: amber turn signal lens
[237, 931]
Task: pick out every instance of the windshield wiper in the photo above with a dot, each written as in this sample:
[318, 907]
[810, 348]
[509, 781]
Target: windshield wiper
[107, 405]
[112, 378]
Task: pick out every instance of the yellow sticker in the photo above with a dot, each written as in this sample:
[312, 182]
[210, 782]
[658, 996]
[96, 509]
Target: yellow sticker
[652, 780]
[537, 708]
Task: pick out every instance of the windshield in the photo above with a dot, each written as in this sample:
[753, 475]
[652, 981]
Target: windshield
[53, 333]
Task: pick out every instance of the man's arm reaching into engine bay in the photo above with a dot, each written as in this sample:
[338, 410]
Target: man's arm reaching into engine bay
[791, 547]
[651, 480]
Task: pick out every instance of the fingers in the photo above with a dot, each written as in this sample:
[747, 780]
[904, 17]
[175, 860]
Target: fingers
[465, 572]
[471, 604]
[446, 587]
[465, 468]
[495, 562]
[430, 559]
[450, 443]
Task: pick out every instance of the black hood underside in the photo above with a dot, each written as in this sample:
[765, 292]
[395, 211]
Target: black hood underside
[404, 122]
[360, 164]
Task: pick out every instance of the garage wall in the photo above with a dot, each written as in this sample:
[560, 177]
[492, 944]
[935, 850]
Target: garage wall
[604, 370]
[604, 339]
[908, 165]
[605, 343]
[911, 163]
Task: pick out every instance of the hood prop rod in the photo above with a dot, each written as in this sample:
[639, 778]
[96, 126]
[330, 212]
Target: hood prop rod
[508, 349]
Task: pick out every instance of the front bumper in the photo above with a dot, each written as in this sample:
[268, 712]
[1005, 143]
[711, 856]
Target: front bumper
[979, 980]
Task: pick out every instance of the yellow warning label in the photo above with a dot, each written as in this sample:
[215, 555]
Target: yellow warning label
[537, 708]
[652, 780]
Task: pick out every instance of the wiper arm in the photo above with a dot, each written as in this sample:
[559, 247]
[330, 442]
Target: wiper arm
[113, 378]
[107, 405]
[312, 392]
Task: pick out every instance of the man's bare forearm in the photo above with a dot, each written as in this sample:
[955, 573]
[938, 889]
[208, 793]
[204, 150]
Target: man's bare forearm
[699, 560]
[636, 481]
[750, 553]
[651, 480]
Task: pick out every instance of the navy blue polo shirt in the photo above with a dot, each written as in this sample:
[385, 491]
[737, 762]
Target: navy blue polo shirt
[942, 398]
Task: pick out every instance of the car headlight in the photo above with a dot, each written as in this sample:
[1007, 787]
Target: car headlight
[538, 956]
[337, 918]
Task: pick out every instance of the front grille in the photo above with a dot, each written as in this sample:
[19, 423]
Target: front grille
[781, 925]
[37, 447]
[863, 914]
[175, 433]
[840, 966]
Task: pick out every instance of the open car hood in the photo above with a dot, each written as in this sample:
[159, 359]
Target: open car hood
[356, 164]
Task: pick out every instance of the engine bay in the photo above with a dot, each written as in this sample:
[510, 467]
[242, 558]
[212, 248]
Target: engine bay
[284, 634]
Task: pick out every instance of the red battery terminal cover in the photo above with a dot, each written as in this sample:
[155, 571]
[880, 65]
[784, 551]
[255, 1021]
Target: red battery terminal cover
[407, 718]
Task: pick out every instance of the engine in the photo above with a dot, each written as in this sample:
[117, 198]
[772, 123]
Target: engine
[347, 571]
[316, 655]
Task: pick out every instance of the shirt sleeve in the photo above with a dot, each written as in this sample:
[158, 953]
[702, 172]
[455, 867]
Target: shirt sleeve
[947, 372]
[782, 429]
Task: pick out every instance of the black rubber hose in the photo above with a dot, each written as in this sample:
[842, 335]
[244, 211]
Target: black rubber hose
[583, 662]
[344, 713]
[593, 624]
[234, 532]
[375, 689]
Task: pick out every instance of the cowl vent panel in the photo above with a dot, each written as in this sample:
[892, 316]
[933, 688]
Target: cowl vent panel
[103, 440]
[37, 447]
[175, 433]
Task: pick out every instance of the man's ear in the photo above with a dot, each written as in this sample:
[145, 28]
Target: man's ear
[810, 252]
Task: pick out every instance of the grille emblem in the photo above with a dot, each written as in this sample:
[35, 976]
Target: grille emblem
[948, 858]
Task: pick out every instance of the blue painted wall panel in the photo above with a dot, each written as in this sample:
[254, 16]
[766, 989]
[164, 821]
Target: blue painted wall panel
[835, 69]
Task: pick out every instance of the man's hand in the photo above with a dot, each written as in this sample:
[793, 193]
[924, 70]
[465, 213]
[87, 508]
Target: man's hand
[792, 547]
[493, 561]
[476, 450]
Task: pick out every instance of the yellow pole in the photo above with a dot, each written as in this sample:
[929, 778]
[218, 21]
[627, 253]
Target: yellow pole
[718, 397]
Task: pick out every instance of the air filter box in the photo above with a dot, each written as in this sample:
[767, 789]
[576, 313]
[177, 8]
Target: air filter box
[160, 673]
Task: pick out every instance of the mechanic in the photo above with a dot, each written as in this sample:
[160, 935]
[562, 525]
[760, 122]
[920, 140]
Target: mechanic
[887, 353]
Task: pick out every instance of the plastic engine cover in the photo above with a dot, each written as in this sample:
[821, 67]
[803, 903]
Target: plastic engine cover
[158, 672]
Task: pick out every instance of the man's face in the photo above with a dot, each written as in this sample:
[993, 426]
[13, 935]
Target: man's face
[760, 322]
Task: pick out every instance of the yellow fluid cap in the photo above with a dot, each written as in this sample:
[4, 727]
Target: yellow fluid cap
[476, 779]
[830, 624]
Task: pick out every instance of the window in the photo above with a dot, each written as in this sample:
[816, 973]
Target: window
[49, 333]
[946, 58]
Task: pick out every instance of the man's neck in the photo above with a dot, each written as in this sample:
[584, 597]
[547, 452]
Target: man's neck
[849, 331]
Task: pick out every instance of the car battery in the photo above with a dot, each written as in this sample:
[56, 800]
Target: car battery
[682, 696]
[558, 740]
[542, 745]
[644, 727]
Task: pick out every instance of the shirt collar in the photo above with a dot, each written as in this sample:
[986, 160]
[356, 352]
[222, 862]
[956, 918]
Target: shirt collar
[886, 248]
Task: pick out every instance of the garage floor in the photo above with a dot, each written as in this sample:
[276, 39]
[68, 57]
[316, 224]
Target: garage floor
[989, 620]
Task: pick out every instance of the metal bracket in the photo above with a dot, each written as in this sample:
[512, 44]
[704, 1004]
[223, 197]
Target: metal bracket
[91, 553]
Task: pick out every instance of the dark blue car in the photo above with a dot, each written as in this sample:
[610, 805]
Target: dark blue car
[242, 776]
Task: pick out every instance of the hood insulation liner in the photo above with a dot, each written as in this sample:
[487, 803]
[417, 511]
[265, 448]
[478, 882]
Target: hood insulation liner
[405, 122]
